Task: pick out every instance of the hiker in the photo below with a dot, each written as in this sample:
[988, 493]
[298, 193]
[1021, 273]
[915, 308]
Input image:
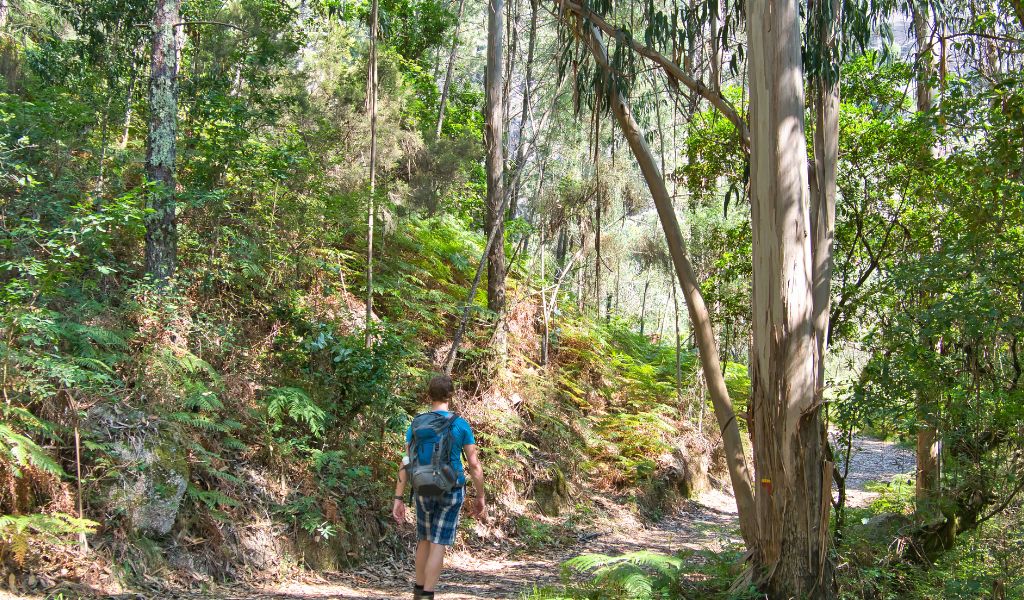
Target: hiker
[439, 482]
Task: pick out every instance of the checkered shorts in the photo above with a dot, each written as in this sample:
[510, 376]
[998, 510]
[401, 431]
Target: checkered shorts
[437, 517]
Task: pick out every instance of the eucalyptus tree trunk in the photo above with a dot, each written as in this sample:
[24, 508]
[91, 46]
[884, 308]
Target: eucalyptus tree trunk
[597, 216]
[824, 168]
[927, 447]
[790, 555]
[823, 172]
[510, 47]
[736, 460]
[371, 106]
[643, 305]
[161, 143]
[543, 303]
[716, 48]
[5, 10]
[527, 92]
[495, 163]
[126, 130]
[679, 349]
[451, 70]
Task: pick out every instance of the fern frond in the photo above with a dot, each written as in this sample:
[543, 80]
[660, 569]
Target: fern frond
[27, 420]
[198, 421]
[24, 452]
[297, 405]
[212, 499]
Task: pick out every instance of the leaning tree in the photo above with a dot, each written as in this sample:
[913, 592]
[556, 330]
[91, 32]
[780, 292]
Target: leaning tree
[784, 518]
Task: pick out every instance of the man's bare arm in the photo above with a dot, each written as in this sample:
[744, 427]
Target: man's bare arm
[398, 508]
[476, 473]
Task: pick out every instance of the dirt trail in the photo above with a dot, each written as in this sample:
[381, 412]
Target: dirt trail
[874, 460]
[709, 523]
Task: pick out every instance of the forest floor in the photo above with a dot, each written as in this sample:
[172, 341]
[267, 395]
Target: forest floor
[709, 523]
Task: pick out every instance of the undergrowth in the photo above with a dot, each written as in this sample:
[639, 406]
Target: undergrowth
[267, 400]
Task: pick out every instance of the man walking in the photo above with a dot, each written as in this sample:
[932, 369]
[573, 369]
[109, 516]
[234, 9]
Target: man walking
[437, 511]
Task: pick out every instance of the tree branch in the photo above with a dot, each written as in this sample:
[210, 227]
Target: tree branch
[217, 23]
[668, 65]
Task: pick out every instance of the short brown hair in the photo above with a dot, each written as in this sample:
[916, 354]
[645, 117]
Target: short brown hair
[440, 388]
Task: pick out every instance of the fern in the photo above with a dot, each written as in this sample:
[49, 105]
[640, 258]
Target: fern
[201, 398]
[189, 363]
[296, 404]
[199, 421]
[232, 443]
[23, 452]
[212, 499]
[30, 422]
[640, 575]
[18, 532]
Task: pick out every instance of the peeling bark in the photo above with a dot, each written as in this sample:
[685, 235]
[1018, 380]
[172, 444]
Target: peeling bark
[790, 557]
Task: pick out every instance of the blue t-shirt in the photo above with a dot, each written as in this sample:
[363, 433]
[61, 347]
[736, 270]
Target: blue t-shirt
[462, 435]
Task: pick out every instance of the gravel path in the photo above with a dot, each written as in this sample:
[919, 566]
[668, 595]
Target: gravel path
[874, 460]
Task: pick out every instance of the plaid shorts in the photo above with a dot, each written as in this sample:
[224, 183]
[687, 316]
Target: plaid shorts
[437, 517]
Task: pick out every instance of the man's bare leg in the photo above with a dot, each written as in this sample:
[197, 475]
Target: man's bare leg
[422, 553]
[434, 563]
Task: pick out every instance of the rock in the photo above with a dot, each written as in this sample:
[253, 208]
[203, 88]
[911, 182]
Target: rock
[152, 469]
[551, 494]
[686, 470]
[349, 545]
[885, 527]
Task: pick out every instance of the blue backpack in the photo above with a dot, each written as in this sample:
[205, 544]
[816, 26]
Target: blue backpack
[430, 469]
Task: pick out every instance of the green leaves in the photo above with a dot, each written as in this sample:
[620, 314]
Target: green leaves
[295, 404]
[638, 575]
[21, 452]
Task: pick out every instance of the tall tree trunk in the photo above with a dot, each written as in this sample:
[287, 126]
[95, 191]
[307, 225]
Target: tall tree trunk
[643, 305]
[716, 48]
[679, 349]
[699, 317]
[128, 104]
[161, 144]
[5, 10]
[451, 70]
[597, 221]
[527, 92]
[511, 49]
[927, 447]
[495, 163]
[822, 180]
[371, 105]
[543, 301]
[790, 555]
[825, 113]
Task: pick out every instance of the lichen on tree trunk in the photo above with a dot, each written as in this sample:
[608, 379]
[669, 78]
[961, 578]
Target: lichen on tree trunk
[161, 143]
